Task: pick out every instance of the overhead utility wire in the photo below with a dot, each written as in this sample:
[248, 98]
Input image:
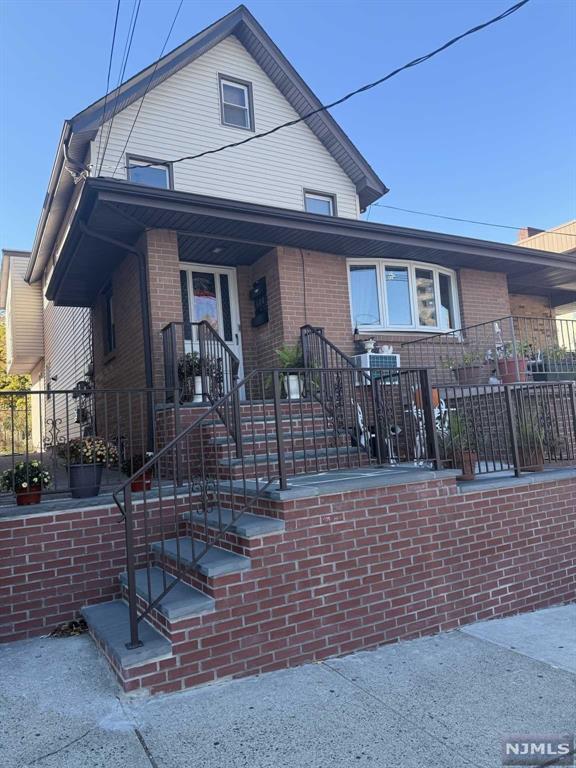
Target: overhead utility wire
[467, 221]
[323, 108]
[121, 154]
[109, 71]
[124, 62]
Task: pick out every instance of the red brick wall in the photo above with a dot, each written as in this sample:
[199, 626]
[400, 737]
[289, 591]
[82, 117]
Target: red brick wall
[164, 290]
[522, 305]
[352, 570]
[483, 296]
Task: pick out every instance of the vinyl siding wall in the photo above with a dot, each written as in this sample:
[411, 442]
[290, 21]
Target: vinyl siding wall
[24, 331]
[182, 117]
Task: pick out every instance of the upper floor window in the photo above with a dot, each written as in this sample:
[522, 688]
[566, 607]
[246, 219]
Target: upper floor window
[236, 107]
[315, 202]
[402, 296]
[153, 173]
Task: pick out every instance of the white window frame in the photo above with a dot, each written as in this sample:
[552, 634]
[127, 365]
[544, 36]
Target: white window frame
[133, 161]
[412, 266]
[243, 86]
[324, 196]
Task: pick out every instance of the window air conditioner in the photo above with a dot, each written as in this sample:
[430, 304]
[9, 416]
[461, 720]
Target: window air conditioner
[376, 360]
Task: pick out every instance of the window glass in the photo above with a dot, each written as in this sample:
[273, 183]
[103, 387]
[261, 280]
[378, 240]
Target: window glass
[110, 328]
[447, 318]
[425, 298]
[323, 204]
[235, 104]
[152, 175]
[364, 293]
[398, 296]
[226, 312]
[205, 302]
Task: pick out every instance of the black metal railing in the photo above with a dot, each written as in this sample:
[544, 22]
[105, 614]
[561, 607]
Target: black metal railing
[506, 429]
[201, 471]
[45, 433]
[199, 366]
[506, 350]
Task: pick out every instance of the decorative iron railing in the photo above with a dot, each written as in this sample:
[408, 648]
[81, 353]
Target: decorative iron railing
[110, 430]
[507, 350]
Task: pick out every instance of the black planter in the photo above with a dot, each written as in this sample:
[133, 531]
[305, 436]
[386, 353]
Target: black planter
[85, 480]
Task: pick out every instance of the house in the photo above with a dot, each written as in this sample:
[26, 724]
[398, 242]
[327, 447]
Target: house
[238, 558]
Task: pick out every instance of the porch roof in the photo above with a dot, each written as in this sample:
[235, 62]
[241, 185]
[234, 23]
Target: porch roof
[227, 232]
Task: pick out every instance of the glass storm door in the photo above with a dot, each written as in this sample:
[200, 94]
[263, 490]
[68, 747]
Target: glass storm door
[211, 294]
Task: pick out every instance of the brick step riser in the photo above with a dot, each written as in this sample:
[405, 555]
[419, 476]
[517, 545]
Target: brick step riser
[300, 467]
[170, 629]
[263, 447]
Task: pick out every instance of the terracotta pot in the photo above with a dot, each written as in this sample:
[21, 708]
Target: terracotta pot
[531, 460]
[507, 369]
[468, 375]
[435, 398]
[29, 496]
[466, 461]
[142, 483]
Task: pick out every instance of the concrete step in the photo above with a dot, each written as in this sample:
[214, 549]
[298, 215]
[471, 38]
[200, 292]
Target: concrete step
[247, 525]
[215, 562]
[291, 456]
[109, 623]
[183, 601]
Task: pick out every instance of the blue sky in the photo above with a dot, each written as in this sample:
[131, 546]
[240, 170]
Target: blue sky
[484, 131]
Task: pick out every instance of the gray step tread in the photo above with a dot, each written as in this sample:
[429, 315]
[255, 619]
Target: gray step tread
[110, 623]
[183, 601]
[321, 453]
[216, 562]
[247, 525]
[270, 437]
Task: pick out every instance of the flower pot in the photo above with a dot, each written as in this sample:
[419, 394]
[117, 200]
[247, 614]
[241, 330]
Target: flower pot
[468, 375]
[85, 480]
[197, 389]
[531, 460]
[466, 461]
[142, 483]
[27, 496]
[369, 345]
[293, 386]
[507, 368]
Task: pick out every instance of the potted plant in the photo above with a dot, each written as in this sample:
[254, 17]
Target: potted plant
[86, 458]
[369, 344]
[460, 441]
[530, 446]
[26, 479]
[513, 365]
[556, 364]
[190, 377]
[466, 368]
[291, 360]
[129, 466]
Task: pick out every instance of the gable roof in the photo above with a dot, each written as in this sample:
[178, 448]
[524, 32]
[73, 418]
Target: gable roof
[262, 48]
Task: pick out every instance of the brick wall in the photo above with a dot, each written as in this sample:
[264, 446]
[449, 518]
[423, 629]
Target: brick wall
[483, 296]
[352, 570]
[523, 305]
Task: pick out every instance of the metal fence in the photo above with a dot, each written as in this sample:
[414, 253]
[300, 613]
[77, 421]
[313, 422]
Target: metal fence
[507, 350]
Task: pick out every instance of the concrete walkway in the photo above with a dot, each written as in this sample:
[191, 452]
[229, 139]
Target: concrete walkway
[439, 702]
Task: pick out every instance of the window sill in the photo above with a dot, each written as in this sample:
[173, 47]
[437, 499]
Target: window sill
[379, 331]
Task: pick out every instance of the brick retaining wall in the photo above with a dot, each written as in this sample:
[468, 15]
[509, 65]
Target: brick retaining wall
[352, 570]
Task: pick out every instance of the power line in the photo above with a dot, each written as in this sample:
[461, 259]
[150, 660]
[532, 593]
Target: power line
[123, 63]
[109, 71]
[148, 86]
[369, 86]
[466, 221]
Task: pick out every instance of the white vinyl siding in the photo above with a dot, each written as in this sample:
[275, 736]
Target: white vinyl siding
[182, 116]
[24, 327]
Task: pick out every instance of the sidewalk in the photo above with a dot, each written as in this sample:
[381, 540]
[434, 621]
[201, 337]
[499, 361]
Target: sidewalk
[439, 702]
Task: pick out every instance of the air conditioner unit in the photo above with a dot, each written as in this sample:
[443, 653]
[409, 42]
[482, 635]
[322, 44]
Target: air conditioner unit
[376, 360]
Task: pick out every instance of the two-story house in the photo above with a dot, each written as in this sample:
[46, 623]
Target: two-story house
[189, 265]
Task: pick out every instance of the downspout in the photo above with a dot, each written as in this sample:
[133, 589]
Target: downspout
[144, 298]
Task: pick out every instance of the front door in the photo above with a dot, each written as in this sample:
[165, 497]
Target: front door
[211, 294]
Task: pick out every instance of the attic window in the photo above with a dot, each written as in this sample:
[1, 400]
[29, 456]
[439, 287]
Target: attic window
[236, 103]
[152, 173]
[315, 202]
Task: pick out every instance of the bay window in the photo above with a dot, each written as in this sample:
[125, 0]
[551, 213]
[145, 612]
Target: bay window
[403, 296]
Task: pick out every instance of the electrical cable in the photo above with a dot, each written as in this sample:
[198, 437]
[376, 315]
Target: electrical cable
[109, 71]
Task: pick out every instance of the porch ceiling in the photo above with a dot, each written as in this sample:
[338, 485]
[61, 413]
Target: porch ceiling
[216, 231]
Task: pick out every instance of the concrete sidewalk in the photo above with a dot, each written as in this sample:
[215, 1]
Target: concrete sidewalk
[444, 701]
